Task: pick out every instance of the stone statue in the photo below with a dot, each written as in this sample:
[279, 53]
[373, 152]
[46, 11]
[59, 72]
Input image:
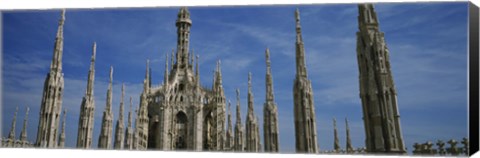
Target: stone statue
[453, 149]
[465, 145]
[441, 149]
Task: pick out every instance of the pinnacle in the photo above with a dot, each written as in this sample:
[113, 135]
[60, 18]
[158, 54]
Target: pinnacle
[111, 74]
[249, 81]
[63, 14]
[94, 52]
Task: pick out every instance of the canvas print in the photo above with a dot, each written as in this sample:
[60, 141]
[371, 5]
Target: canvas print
[382, 78]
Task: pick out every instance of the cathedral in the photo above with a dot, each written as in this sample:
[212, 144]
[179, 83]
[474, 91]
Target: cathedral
[183, 114]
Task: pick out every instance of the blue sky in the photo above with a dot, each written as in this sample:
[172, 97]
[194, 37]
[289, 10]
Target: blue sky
[427, 43]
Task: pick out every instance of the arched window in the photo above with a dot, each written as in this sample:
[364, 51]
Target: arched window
[181, 87]
[181, 122]
[208, 133]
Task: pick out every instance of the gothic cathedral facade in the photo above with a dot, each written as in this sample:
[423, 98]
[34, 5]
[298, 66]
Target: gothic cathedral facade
[182, 114]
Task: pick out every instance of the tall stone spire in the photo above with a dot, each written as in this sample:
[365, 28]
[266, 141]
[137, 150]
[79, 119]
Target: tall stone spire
[61, 140]
[23, 134]
[300, 50]
[106, 132]
[220, 104]
[165, 74]
[270, 112]
[250, 113]
[56, 65]
[191, 56]
[141, 130]
[51, 104]
[129, 130]
[304, 108]
[150, 78]
[135, 131]
[87, 109]
[214, 78]
[172, 59]
[268, 78]
[251, 123]
[119, 137]
[183, 24]
[229, 140]
[367, 18]
[197, 71]
[238, 138]
[91, 72]
[11, 134]
[259, 144]
[377, 88]
[349, 147]
[146, 84]
[336, 142]
[218, 88]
